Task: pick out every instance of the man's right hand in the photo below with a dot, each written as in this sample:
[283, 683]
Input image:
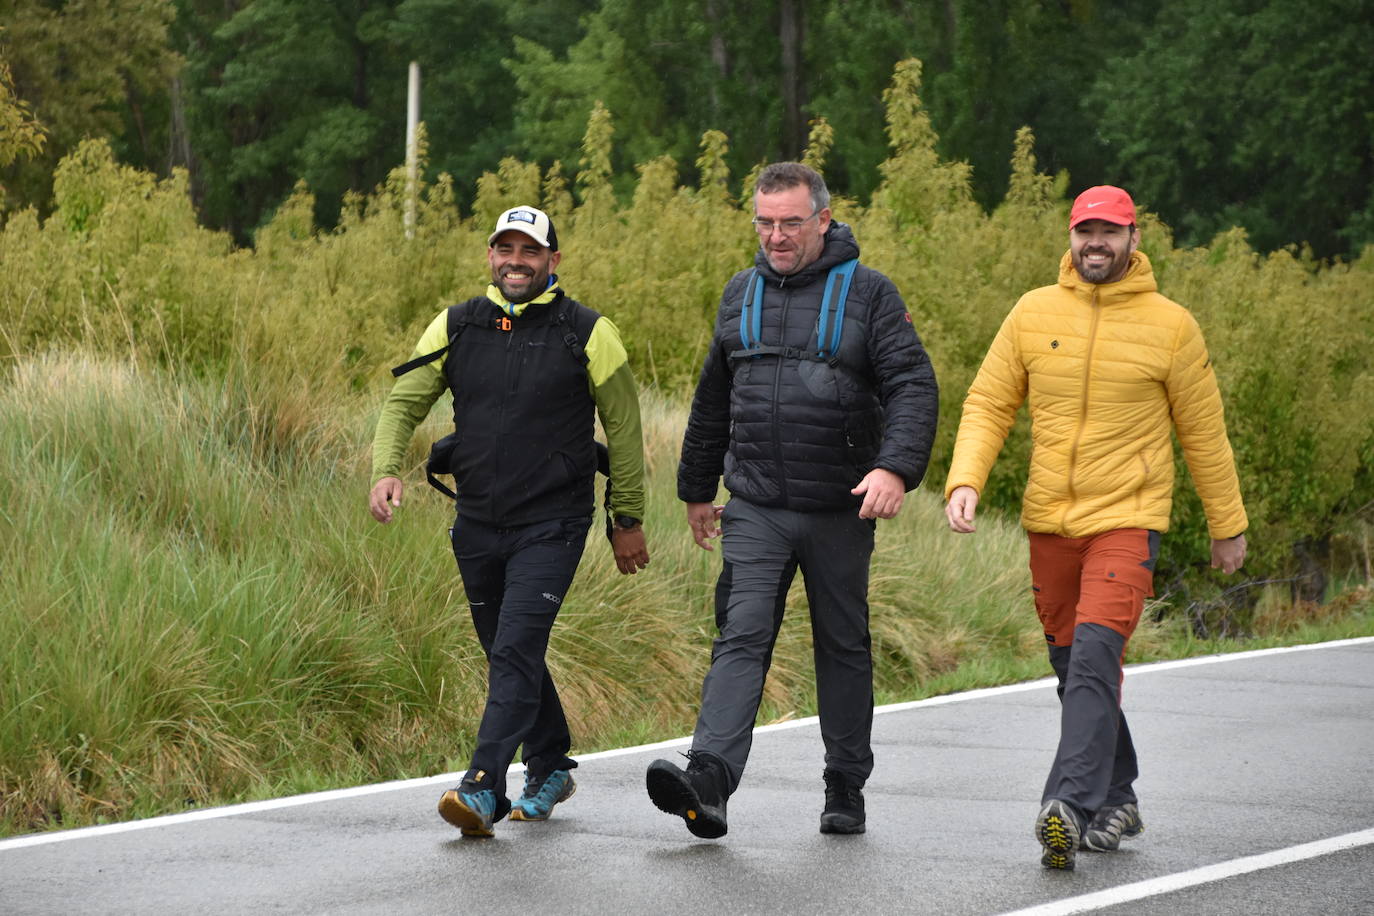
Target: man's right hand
[963, 502]
[385, 494]
[704, 520]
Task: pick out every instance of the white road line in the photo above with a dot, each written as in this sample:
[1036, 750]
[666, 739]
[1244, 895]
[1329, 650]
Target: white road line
[58, 836]
[1219, 872]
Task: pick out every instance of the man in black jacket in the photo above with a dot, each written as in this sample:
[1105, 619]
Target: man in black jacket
[819, 409]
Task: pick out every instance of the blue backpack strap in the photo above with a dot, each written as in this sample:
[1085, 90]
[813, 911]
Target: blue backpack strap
[751, 324]
[837, 283]
[836, 290]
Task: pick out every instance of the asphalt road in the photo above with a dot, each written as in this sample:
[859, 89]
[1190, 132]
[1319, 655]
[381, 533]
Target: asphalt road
[1245, 761]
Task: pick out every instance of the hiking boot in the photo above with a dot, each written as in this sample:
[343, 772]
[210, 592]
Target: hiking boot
[541, 795]
[472, 808]
[1058, 830]
[1111, 825]
[697, 796]
[844, 804]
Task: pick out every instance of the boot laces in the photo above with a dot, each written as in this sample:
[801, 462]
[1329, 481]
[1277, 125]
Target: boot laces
[839, 788]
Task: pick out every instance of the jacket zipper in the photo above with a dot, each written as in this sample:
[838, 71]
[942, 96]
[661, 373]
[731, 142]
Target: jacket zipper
[781, 469]
[497, 496]
[1082, 407]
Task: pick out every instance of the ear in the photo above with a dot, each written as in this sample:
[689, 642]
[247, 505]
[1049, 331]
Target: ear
[554, 258]
[823, 219]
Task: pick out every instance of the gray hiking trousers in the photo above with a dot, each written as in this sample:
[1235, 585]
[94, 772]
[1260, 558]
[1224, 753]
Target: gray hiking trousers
[762, 550]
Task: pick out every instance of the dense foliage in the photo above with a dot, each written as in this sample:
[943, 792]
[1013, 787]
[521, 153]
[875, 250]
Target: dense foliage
[1254, 113]
[122, 266]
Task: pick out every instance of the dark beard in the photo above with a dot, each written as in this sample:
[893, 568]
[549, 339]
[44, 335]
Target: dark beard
[1114, 269]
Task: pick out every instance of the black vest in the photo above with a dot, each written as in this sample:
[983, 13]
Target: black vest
[523, 413]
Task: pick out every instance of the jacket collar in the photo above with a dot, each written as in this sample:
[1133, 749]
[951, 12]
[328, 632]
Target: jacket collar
[1140, 278]
[518, 308]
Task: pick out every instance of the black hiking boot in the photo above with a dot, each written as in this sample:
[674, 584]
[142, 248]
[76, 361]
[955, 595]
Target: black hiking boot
[844, 804]
[697, 795]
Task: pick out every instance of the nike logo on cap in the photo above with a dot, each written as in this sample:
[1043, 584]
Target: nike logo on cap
[1096, 203]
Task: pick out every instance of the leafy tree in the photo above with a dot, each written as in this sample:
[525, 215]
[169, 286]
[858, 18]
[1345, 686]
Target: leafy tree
[280, 91]
[93, 69]
[1250, 112]
[20, 134]
[467, 98]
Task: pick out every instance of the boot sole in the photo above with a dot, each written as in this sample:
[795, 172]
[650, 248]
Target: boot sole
[841, 824]
[1059, 836]
[671, 793]
[452, 809]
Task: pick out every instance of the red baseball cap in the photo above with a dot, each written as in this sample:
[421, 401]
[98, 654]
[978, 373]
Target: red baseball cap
[1103, 202]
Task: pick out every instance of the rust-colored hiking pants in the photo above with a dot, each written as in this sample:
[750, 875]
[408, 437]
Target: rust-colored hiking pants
[1089, 594]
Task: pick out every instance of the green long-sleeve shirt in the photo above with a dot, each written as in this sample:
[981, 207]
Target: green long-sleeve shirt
[609, 379]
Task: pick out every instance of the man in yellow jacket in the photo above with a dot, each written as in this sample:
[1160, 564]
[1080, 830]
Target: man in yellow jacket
[1108, 365]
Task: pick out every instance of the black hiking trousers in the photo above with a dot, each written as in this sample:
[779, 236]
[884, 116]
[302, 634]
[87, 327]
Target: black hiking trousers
[515, 580]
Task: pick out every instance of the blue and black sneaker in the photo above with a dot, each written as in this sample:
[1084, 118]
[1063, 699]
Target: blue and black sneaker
[472, 808]
[540, 795]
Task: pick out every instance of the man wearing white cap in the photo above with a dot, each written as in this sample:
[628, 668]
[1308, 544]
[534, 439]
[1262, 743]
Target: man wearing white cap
[530, 370]
[1108, 366]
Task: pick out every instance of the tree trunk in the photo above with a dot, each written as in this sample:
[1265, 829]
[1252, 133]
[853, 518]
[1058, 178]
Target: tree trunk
[179, 143]
[791, 31]
[720, 55]
[1312, 556]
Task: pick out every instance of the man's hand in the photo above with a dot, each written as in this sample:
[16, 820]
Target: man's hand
[1228, 554]
[385, 494]
[963, 502]
[631, 551]
[883, 493]
[704, 520]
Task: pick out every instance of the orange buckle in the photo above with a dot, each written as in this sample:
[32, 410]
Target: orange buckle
[503, 323]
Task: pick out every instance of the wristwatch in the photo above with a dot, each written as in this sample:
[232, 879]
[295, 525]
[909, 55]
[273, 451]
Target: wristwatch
[626, 522]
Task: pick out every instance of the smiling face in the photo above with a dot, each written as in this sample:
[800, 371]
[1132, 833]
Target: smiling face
[788, 251]
[520, 266]
[1101, 251]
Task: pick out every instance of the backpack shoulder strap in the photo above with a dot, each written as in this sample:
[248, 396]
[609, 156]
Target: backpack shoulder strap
[751, 311]
[828, 325]
[576, 322]
[837, 291]
[459, 317]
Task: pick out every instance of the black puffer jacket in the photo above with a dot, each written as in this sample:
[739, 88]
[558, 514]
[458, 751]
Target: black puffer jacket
[798, 433]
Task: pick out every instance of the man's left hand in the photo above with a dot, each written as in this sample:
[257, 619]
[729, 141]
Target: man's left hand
[631, 551]
[883, 493]
[1228, 554]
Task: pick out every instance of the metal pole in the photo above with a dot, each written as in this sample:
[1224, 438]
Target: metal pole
[412, 165]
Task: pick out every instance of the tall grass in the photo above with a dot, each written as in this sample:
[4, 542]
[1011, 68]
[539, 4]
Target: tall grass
[198, 608]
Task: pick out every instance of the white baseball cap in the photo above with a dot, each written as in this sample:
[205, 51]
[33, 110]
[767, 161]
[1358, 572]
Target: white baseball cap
[534, 223]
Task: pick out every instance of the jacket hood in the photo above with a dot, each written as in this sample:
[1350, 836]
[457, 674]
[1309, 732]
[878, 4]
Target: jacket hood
[1140, 278]
[840, 245]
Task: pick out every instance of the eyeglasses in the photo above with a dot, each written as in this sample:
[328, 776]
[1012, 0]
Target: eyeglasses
[789, 227]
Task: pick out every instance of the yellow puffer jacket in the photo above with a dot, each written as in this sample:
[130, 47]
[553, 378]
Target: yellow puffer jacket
[1106, 369]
